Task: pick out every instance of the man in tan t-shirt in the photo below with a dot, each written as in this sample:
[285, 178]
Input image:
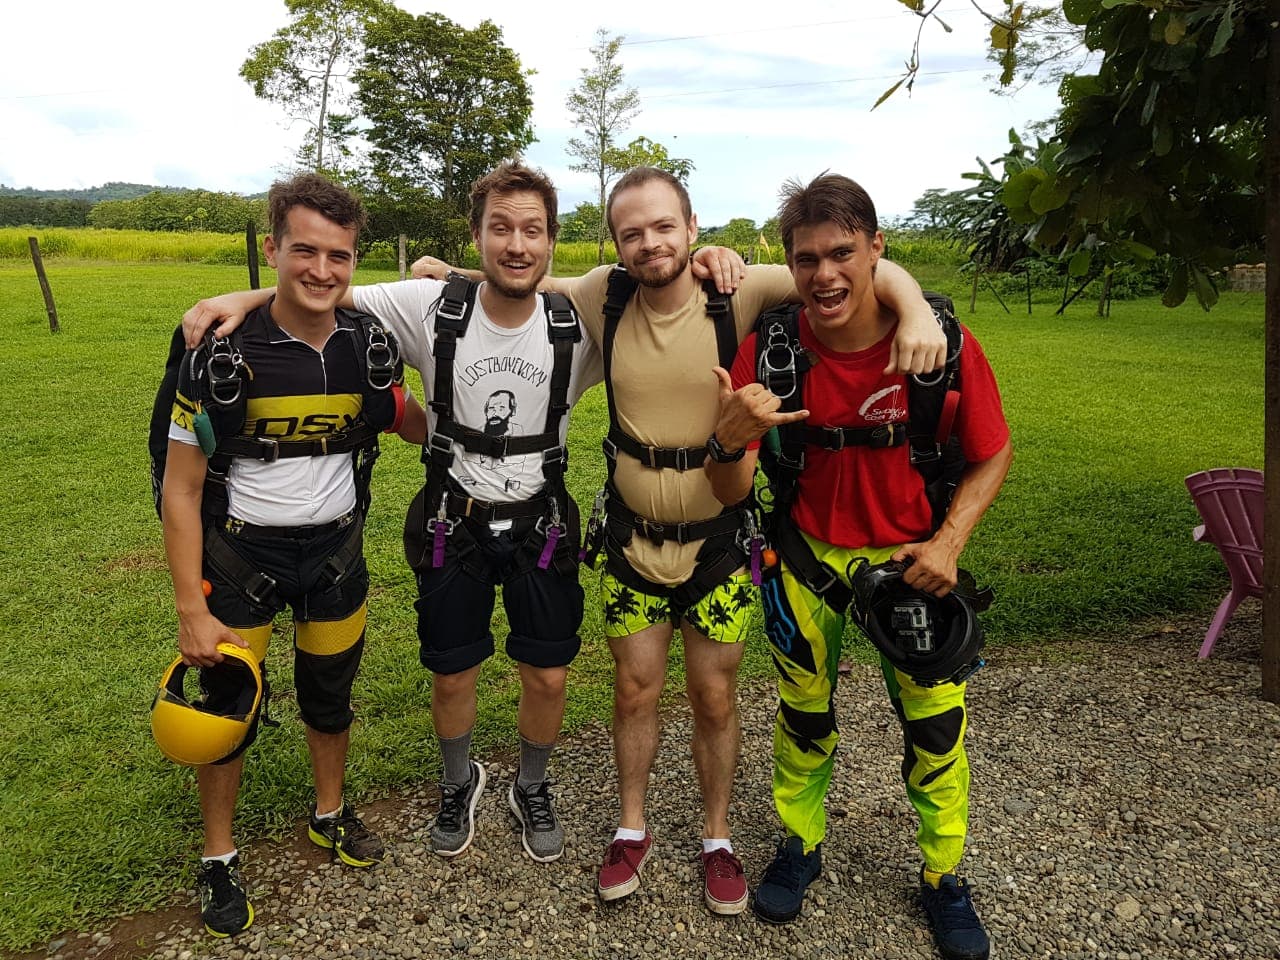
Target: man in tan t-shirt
[665, 396]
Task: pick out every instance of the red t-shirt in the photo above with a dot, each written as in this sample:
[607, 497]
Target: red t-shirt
[860, 497]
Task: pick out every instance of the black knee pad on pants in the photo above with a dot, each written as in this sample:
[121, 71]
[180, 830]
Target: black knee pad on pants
[323, 685]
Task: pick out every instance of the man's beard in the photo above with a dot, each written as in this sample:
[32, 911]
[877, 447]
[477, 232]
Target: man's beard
[496, 426]
[513, 292]
[661, 276]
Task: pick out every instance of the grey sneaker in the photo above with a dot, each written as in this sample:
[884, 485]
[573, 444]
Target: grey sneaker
[455, 824]
[540, 829]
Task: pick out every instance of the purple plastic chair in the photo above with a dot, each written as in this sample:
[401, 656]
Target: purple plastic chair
[1229, 500]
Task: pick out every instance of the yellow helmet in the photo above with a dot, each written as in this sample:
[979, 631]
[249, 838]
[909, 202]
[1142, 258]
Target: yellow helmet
[203, 732]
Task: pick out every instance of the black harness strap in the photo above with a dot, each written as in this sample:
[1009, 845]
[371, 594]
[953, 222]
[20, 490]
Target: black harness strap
[837, 438]
[444, 500]
[781, 365]
[618, 294]
[728, 522]
[270, 450]
[819, 578]
[484, 511]
[715, 562]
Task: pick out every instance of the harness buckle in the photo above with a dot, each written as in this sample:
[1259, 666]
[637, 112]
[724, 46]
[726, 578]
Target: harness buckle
[441, 445]
[561, 319]
[380, 359]
[930, 455]
[452, 311]
[270, 447]
[223, 369]
[654, 531]
[829, 580]
[610, 448]
[835, 438]
[682, 458]
[555, 457]
[779, 378]
[259, 588]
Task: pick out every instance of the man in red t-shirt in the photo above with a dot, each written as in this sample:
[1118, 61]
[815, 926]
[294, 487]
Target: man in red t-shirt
[860, 501]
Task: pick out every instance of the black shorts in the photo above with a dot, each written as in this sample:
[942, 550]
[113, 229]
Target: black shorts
[329, 617]
[455, 601]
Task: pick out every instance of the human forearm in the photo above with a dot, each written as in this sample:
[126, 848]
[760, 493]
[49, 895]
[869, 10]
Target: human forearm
[934, 562]
[413, 427]
[974, 494]
[731, 482]
[183, 533]
[919, 345]
[227, 310]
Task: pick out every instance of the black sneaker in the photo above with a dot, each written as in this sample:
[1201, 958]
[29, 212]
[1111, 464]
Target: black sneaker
[780, 892]
[957, 931]
[540, 829]
[456, 822]
[347, 836]
[224, 908]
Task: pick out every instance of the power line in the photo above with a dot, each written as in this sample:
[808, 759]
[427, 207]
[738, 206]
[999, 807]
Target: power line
[810, 83]
[775, 29]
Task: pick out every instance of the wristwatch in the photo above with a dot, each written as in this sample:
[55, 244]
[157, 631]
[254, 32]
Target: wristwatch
[720, 455]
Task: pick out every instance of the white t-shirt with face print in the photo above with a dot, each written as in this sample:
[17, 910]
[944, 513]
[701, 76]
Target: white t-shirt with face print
[501, 379]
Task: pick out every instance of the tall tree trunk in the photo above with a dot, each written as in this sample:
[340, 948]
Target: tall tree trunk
[1104, 301]
[600, 228]
[324, 103]
[1271, 430]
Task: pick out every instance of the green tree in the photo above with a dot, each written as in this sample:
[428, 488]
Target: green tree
[304, 66]
[445, 104]
[602, 107]
[397, 206]
[581, 224]
[643, 152]
[1173, 144]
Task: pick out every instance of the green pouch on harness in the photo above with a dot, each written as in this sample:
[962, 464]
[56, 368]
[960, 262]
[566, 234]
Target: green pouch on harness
[203, 428]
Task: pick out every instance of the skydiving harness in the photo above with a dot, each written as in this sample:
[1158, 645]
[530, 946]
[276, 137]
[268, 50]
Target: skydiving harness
[932, 401]
[729, 542]
[217, 371]
[445, 504]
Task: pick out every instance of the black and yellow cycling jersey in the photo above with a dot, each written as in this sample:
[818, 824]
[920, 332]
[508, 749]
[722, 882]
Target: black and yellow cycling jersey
[291, 391]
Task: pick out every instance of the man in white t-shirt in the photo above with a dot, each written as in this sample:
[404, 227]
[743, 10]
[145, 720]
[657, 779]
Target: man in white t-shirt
[494, 508]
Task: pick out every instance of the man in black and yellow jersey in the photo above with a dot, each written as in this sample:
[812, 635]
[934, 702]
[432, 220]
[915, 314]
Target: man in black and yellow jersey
[284, 417]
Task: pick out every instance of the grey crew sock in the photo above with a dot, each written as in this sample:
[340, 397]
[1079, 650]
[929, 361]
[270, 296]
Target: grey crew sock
[456, 752]
[533, 762]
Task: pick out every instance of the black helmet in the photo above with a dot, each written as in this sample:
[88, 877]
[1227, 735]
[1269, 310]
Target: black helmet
[931, 639]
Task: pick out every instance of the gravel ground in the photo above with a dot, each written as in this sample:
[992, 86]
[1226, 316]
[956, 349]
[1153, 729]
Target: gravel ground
[1125, 805]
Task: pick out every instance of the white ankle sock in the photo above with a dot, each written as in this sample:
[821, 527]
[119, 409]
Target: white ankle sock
[222, 857]
[716, 844]
[625, 834]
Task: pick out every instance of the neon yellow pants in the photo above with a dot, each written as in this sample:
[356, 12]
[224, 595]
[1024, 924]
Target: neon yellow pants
[806, 637]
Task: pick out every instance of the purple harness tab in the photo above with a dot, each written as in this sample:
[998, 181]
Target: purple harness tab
[549, 548]
[437, 545]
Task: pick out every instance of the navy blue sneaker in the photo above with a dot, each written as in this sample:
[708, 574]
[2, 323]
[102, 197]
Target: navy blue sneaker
[780, 892]
[957, 931]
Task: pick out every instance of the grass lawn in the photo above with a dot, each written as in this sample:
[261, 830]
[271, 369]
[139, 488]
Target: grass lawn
[1091, 530]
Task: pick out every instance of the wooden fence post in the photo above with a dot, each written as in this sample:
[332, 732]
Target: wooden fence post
[251, 248]
[403, 245]
[44, 285]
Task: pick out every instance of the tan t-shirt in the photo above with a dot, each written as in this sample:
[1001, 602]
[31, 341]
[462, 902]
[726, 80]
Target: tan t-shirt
[667, 396]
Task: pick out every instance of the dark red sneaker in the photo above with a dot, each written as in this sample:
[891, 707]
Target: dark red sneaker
[620, 872]
[725, 886]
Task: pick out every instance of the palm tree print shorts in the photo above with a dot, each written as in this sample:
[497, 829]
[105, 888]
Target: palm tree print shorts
[724, 614]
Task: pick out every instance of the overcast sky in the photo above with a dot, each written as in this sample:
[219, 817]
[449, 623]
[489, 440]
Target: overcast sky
[754, 93]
